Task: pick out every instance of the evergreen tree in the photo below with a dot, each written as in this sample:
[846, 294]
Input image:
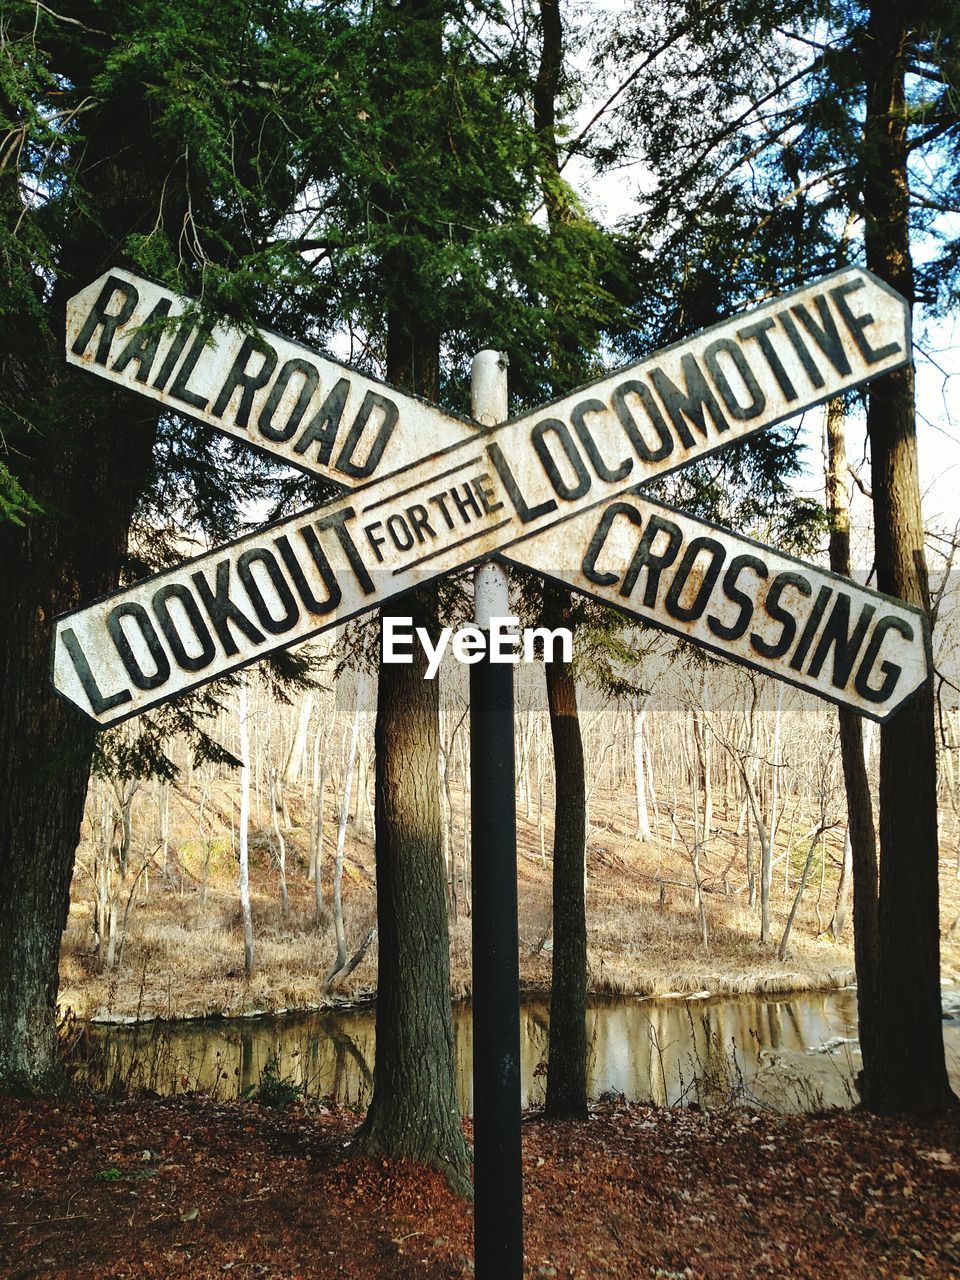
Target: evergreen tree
[910, 1072]
[566, 1094]
[158, 136]
[830, 135]
[747, 484]
[414, 1110]
[438, 255]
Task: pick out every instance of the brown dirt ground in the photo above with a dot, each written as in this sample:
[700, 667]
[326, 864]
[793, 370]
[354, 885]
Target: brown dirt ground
[193, 1188]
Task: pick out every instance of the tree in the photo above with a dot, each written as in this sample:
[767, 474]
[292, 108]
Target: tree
[567, 1050]
[442, 181]
[160, 137]
[83, 457]
[243, 824]
[822, 120]
[414, 1110]
[566, 1094]
[861, 833]
[574, 333]
[910, 1071]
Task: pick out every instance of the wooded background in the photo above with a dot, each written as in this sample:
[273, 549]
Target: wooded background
[410, 182]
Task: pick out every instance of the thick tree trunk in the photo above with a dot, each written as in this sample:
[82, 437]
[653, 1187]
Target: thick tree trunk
[85, 459]
[910, 1070]
[87, 480]
[567, 1055]
[60, 560]
[414, 1110]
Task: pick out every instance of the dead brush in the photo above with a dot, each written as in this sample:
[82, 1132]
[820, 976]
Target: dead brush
[716, 1078]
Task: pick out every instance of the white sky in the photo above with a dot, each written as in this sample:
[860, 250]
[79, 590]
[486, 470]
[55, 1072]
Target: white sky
[937, 357]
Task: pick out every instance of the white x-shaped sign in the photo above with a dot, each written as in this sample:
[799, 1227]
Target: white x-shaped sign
[431, 493]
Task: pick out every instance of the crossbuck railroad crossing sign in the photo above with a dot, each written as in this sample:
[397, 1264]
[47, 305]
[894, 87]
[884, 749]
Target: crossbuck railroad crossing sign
[552, 490]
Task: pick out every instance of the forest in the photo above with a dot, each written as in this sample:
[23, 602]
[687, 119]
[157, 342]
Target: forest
[301, 976]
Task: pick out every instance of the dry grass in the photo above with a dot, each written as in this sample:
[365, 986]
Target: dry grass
[183, 955]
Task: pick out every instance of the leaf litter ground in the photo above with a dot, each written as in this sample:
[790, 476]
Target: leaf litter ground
[190, 1187]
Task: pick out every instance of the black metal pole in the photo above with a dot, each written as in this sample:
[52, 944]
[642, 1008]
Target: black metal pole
[498, 1174]
[498, 1179]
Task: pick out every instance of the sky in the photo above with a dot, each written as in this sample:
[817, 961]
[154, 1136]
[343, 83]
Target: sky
[612, 196]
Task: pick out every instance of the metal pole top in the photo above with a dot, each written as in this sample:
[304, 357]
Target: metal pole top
[488, 383]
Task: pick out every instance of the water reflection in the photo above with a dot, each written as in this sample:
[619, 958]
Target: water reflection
[796, 1053]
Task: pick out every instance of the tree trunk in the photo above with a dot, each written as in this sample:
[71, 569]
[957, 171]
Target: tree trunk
[298, 747]
[639, 769]
[341, 957]
[841, 906]
[776, 764]
[276, 795]
[164, 824]
[785, 939]
[766, 870]
[83, 451]
[414, 1110]
[316, 816]
[861, 832]
[910, 1071]
[446, 799]
[567, 1054]
[702, 779]
[87, 481]
[766, 860]
[244, 827]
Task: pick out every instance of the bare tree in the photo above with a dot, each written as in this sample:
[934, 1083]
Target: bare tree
[276, 799]
[359, 701]
[244, 825]
[298, 745]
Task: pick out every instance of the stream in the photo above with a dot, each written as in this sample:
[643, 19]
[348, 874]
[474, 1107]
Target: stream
[789, 1053]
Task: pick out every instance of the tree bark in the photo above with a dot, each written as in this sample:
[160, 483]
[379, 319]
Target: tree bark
[567, 1056]
[861, 832]
[73, 554]
[639, 769]
[414, 1110]
[567, 1052]
[298, 746]
[340, 959]
[243, 840]
[83, 451]
[910, 1070]
[87, 479]
[276, 805]
[841, 905]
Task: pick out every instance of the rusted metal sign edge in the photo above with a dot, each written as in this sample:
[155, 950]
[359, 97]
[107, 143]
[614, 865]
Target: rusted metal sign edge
[498, 488]
[341, 619]
[313, 412]
[709, 583]
[753, 312]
